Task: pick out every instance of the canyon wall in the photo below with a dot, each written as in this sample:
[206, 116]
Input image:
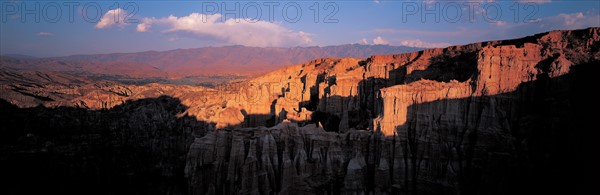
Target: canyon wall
[485, 118]
[373, 93]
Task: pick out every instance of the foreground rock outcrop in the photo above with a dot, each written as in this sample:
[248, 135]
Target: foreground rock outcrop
[282, 159]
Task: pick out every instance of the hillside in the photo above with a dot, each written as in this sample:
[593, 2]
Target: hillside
[238, 59]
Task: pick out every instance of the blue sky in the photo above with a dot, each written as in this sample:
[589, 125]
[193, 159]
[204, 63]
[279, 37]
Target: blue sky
[131, 26]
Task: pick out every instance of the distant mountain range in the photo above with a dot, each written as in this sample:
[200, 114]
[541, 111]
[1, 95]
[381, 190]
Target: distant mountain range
[207, 61]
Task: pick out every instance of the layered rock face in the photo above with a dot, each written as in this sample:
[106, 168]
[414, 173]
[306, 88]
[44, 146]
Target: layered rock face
[484, 118]
[346, 94]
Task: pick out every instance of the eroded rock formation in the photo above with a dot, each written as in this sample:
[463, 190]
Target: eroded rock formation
[482, 118]
[500, 117]
[348, 94]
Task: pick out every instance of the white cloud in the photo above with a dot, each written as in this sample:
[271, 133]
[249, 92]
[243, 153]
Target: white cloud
[405, 42]
[144, 26]
[231, 31]
[113, 17]
[393, 31]
[534, 1]
[376, 1]
[363, 41]
[380, 41]
[562, 21]
[570, 20]
[500, 23]
[422, 44]
[44, 34]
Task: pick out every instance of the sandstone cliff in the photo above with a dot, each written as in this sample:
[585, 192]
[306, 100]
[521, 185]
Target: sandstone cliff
[349, 93]
[460, 120]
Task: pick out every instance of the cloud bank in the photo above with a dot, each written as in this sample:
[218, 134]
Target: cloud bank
[561, 21]
[404, 42]
[380, 41]
[231, 31]
[422, 44]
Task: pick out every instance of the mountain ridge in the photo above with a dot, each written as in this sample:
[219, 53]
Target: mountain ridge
[206, 61]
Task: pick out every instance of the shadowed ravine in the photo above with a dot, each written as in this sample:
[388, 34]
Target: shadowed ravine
[135, 148]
